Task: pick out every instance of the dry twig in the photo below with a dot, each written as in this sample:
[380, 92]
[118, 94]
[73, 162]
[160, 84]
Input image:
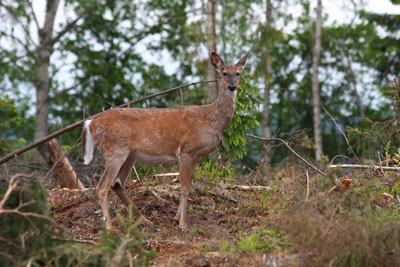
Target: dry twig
[308, 185]
[11, 187]
[148, 189]
[341, 131]
[291, 150]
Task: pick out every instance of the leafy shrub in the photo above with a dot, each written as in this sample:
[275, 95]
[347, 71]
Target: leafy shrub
[244, 119]
[209, 171]
[262, 241]
[10, 121]
[22, 237]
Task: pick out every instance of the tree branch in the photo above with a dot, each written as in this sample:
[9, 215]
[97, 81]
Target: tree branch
[61, 92]
[341, 131]
[34, 15]
[11, 187]
[15, 17]
[291, 150]
[66, 29]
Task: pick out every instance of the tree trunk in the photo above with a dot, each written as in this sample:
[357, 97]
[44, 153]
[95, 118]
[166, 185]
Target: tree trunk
[212, 46]
[315, 85]
[265, 158]
[51, 152]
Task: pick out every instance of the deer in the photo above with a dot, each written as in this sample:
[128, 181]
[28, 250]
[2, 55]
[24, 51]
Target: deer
[160, 136]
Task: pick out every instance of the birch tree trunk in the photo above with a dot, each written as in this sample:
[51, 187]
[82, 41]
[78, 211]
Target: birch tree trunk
[265, 158]
[51, 152]
[315, 84]
[212, 46]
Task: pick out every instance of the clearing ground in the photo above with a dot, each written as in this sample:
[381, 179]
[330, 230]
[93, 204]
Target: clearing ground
[218, 217]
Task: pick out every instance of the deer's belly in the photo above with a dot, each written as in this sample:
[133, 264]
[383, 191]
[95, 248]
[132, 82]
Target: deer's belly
[154, 160]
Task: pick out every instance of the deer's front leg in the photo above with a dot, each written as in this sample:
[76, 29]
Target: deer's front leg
[186, 168]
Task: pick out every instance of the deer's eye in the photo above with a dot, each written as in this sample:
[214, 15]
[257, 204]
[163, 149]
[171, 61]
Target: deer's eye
[237, 73]
[225, 74]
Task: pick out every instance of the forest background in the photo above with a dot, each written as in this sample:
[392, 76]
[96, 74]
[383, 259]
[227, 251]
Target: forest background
[99, 54]
[320, 75]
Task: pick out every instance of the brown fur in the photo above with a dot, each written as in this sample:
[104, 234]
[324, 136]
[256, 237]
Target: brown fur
[159, 136]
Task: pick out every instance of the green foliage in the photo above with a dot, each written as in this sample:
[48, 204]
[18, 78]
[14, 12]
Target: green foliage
[210, 171]
[262, 241]
[36, 242]
[383, 137]
[10, 122]
[23, 237]
[244, 119]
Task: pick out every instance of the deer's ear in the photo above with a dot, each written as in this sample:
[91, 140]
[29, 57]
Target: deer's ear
[242, 61]
[217, 62]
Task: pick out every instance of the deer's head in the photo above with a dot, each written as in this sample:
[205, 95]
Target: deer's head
[230, 73]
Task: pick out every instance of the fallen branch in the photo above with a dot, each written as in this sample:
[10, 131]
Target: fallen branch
[169, 174]
[291, 150]
[249, 187]
[355, 166]
[79, 123]
[308, 185]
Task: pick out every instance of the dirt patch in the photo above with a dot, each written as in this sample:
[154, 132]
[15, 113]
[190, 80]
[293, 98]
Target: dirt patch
[212, 218]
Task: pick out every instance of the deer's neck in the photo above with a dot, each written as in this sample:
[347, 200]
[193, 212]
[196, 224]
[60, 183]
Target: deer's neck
[222, 109]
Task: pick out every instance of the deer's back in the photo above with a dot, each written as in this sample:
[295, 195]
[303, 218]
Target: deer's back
[151, 132]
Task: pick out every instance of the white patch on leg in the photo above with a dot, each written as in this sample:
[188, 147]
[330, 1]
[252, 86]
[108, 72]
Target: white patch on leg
[89, 145]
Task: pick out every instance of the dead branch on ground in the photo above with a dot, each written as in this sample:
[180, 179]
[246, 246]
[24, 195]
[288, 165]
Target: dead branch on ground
[356, 166]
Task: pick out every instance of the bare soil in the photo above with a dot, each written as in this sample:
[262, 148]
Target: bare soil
[212, 217]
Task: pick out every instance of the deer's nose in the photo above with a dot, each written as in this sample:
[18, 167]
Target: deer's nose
[232, 87]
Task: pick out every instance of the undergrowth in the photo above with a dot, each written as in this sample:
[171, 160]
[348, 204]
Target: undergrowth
[357, 226]
[26, 240]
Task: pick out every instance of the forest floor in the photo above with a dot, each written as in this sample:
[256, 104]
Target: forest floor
[221, 220]
[293, 217]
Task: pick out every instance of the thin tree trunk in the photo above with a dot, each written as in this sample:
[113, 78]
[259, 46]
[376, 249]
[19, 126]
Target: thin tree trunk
[212, 46]
[315, 85]
[51, 152]
[265, 158]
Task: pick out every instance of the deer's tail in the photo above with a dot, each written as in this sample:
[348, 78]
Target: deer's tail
[87, 143]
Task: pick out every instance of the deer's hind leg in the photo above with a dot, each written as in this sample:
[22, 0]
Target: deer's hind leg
[118, 187]
[113, 166]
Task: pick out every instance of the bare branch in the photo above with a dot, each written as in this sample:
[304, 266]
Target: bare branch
[12, 59]
[25, 28]
[341, 131]
[11, 187]
[308, 185]
[66, 29]
[61, 92]
[34, 15]
[355, 166]
[291, 150]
